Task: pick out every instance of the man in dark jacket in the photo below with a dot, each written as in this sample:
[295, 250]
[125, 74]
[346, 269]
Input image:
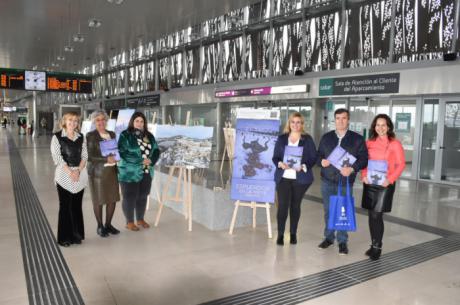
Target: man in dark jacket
[355, 145]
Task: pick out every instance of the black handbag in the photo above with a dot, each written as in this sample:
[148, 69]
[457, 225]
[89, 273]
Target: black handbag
[378, 198]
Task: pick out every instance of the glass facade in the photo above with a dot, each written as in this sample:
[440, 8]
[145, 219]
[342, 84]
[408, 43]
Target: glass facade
[278, 37]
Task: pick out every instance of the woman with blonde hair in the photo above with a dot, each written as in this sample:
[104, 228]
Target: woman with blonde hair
[102, 171]
[294, 155]
[68, 149]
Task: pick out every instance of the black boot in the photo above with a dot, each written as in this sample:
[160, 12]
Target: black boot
[111, 229]
[368, 252]
[101, 231]
[376, 251]
[280, 240]
[293, 240]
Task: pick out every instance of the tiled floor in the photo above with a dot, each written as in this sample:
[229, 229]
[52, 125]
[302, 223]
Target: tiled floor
[169, 265]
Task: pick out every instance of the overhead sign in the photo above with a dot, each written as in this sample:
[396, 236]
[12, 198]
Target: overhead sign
[144, 101]
[75, 83]
[45, 81]
[115, 104]
[12, 79]
[263, 91]
[363, 84]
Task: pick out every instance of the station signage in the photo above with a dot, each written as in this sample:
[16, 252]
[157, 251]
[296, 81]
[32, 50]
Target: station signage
[144, 101]
[114, 104]
[45, 81]
[360, 85]
[12, 79]
[263, 91]
[65, 82]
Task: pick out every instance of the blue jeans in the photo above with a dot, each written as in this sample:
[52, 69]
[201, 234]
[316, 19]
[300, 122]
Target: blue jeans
[328, 189]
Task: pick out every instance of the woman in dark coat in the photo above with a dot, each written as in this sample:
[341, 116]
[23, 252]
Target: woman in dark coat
[294, 174]
[102, 171]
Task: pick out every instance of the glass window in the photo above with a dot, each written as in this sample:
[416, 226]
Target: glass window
[323, 39]
[257, 53]
[423, 29]
[450, 170]
[176, 70]
[232, 54]
[192, 66]
[150, 76]
[287, 45]
[283, 7]
[404, 118]
[164, 72]
[211, 64]
[429, 141]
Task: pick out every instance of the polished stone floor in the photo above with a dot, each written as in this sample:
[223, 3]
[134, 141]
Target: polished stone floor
[169, 265]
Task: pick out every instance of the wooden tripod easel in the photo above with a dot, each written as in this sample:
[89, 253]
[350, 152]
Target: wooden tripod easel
[253, 205]
[229, 148]
[184, 183]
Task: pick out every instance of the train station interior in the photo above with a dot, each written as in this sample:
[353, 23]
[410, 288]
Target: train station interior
[215, 83]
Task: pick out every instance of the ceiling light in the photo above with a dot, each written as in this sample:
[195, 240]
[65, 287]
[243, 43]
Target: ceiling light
[68, 48]
[94, 23]
[61, 58]
[115, 1]
[78, 38]
[53, 64]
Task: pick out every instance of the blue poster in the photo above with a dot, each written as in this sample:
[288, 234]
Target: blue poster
[253, 168]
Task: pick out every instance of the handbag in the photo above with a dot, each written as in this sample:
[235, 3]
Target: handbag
[378, 198]
[342, 210]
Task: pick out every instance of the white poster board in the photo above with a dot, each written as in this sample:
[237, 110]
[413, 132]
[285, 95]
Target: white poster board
[258, 114]
[124, 115]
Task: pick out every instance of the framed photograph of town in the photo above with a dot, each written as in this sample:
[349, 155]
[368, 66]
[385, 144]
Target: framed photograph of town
[182, 145]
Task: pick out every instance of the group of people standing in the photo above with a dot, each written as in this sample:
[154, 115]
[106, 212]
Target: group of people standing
[291, 184]
[79, 163]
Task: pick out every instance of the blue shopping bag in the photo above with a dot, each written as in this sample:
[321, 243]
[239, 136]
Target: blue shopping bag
[342, 210]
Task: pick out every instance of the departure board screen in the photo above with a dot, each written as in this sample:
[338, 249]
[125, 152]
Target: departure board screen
[11, 79]
[69, 83]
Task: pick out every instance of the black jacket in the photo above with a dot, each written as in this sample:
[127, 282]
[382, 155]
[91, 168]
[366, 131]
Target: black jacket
[353, 143]
[308, 157]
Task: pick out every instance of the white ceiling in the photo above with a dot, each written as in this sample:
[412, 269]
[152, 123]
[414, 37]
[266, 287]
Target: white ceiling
[34, 32]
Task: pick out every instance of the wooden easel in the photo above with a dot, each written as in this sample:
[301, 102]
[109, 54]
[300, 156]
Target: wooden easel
[184, 183]
[253, 205]
[155, 186]
[229, 148]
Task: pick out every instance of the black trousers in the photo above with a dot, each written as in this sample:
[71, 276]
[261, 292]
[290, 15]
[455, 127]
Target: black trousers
[290, 195]
[135, 197]
[71, 228]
